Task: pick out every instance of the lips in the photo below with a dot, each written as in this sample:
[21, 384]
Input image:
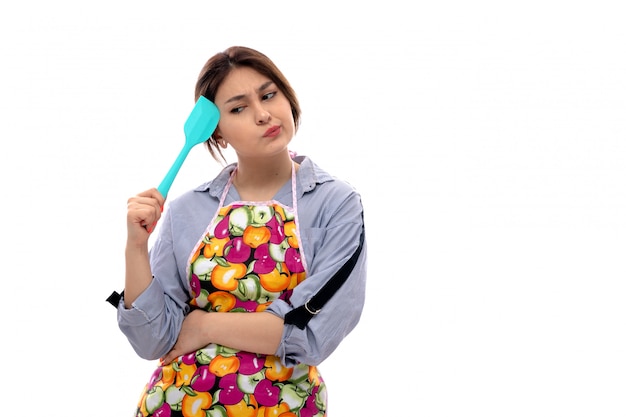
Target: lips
[272, 132]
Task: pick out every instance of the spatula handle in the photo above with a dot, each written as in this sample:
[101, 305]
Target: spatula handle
[164, 187]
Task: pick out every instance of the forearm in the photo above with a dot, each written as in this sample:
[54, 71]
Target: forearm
[144, 211]
[253, 332]
[138, 273]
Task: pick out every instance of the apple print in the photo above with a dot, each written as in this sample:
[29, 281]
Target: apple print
[311, 408]
[202, 379]
[194, 284]
[221, 229]
[163, 411]
[230, 393]
[236, 251]
[250, 363]
[249, 288]
[156, 377]
[154, 399]
[217, 411]
[262, 214]
[293, 260]
[264, 262]
[276, 229]
[189, 359]
[266, 393]
[293, 396]
[205, 355]
[277, 251]
[240, 218]
[202, 299]
[249, 306]
[203, 267]
[248, 383]
[288, 215]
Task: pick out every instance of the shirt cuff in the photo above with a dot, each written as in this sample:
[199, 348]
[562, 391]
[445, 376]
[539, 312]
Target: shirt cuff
[145, 308]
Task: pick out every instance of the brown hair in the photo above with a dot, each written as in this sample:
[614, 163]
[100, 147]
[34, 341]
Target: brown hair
[221, 64]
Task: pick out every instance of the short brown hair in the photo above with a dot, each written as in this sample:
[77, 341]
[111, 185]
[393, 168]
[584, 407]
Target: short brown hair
[221, 64]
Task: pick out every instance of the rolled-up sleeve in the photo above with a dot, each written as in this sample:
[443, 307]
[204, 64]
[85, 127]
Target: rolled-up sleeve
[326, 249]
[154, 320]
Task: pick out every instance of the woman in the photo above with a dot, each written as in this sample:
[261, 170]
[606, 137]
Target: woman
[215, 296]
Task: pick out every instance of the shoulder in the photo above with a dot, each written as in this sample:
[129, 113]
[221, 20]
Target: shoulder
[312, 177]
[324, 196]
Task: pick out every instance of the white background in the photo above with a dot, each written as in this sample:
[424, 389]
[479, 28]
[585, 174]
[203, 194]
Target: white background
[488, 140]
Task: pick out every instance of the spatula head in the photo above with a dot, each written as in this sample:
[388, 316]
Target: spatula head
[201, 122]
[198, 128]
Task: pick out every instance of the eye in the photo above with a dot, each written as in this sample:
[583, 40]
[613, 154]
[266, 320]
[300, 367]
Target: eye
[268, 96]
[237, 110]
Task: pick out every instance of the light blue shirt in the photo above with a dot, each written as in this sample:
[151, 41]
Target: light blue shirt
[330, 216]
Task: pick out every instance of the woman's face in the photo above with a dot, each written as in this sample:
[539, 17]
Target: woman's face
[255, 116]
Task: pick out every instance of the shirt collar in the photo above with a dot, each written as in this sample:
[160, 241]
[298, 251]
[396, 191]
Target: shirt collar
[309, 175]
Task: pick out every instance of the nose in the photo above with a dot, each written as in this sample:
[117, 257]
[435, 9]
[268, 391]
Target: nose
[263, 116]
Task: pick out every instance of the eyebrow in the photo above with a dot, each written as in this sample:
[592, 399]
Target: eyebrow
[239, 97]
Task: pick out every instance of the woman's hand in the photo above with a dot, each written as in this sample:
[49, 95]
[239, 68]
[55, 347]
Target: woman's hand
[144, 211]
[191, 336]
[253, 332]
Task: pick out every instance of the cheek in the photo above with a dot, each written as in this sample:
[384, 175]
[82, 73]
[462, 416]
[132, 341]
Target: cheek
[226, 127]
[286, 113]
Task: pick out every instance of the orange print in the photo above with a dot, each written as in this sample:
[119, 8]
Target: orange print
[296, 278]
[275, 370]
[197, 252]
[225, 277]
[196, 406]
[314, 376]
[262, 307]
[290, 232]
[256, 236]
[274, 411]
[142, 405]
[274, 281]
[243, 408]
[281, 212]
[224, 365]
[214, 247]
[222, 301]
[185, 373]
[167, 376]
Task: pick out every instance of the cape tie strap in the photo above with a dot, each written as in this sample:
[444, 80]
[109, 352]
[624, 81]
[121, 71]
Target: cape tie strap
[301, 316]
[115, 298]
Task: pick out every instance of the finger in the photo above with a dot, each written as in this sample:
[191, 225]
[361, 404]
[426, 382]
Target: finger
[155, 194]
[152, 196]
[167, 359]
[142, 214]
[144, 210]
[146, 201]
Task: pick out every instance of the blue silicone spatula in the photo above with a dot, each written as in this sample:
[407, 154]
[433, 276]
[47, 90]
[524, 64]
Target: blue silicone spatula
[198, 128]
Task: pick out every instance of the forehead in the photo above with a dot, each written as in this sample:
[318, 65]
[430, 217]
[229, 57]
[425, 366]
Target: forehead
[240, 81]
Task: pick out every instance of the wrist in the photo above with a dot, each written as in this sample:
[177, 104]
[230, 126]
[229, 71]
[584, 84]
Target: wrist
[207, 327]
[136, 248]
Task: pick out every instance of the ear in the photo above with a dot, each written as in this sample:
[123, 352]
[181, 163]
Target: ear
[219, 140]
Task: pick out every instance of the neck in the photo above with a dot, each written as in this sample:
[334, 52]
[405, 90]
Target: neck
[261, 179]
